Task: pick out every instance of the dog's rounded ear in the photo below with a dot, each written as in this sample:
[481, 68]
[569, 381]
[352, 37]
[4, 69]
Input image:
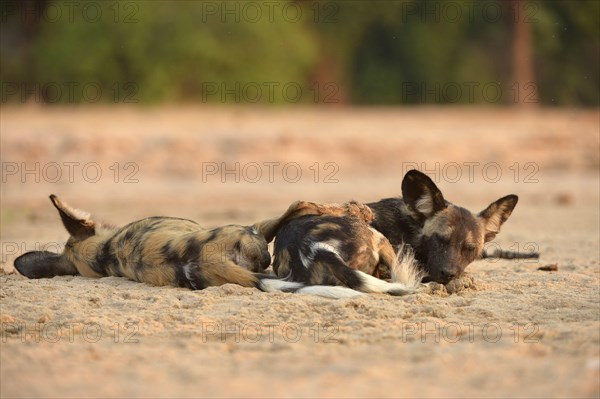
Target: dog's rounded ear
[421, 195]
[78, 223]
[494, 216]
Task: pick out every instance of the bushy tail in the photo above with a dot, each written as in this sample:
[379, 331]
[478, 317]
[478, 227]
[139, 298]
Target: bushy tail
[269, 283]
[405, 268]
[363, 282]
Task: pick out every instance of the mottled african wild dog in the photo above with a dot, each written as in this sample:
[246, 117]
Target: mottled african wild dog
[445, 237]
[442, 237]
[171, 251]
[342, 251]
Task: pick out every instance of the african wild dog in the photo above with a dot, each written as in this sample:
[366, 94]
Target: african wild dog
[445, 237]
[166, 251]
[442, 237]
[347, 251]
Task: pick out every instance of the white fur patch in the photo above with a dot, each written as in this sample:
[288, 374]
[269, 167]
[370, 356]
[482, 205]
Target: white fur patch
[375, 285]
[329, 246]
[274, 285]
[493, 222]
[328, 291]
[405, 269]
[424, 205]
[438, 225]
[187, 270]
[306, 260]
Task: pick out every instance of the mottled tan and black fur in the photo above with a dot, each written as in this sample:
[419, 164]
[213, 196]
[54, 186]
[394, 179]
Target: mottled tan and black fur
[166, 251]
[340, 251]
[441, 238]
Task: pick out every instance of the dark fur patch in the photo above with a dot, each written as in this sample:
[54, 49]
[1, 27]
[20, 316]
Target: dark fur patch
[345, 275]
[393, 221]
[104, 259]
[192, 248]
[315, 250]
[170, 255]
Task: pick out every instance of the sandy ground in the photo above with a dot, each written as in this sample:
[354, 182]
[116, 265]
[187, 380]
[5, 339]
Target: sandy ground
[509, 330]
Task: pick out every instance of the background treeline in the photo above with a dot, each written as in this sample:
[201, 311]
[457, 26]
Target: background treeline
[359, 52]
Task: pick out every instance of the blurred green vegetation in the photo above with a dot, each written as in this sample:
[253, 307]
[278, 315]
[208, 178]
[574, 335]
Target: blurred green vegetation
[363, 52]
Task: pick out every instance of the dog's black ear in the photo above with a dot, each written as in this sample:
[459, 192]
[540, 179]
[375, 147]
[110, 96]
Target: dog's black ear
[43, 264]
[421, 195]
[496, 214]
[78, 223]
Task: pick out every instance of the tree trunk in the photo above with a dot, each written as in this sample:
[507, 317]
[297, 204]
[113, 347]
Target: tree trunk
[525, 87]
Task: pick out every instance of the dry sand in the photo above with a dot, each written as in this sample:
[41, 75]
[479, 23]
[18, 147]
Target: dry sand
[505, 330]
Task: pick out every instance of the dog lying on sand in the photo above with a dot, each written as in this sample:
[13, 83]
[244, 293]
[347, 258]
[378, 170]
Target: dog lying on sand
[166, 251]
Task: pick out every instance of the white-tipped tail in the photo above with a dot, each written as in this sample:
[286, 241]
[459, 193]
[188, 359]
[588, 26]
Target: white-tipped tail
[329, 291]
[275, 285]
[377, 286]
[405, 269]
[405, 272]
